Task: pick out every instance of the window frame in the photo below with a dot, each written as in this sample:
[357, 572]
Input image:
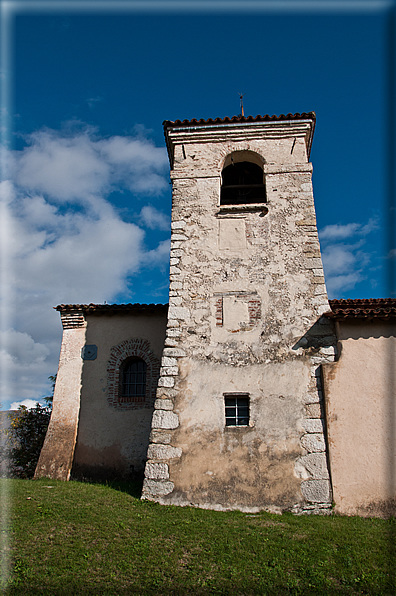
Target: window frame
[241, 406]
[133, 395]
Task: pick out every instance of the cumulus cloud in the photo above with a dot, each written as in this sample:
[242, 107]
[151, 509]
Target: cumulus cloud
[79, 165]
[66, 243]
[337, 232]
[154, 219]
[345, 263]
[28, 403]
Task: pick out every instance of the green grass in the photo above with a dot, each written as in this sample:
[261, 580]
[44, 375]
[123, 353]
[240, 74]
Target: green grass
[92, 539]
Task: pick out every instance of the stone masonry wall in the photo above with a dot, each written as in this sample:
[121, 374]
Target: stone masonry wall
[246, 297]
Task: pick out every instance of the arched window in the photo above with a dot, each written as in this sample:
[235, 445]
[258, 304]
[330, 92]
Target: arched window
[132, 375]
[242, 183]
[133, 382]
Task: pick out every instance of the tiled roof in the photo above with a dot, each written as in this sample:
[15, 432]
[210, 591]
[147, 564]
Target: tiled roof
[241, 119]
[107, 308]
[380, 308]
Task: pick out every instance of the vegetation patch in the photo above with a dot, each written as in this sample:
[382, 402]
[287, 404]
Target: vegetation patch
[91, 539]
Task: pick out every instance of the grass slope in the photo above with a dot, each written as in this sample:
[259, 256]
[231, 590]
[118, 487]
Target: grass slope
[90, 539]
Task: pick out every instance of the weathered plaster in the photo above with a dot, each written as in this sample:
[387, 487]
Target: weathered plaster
[113, 441]
[57, 454]
[360, 393]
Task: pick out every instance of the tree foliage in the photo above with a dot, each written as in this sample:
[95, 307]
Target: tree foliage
[26, 437]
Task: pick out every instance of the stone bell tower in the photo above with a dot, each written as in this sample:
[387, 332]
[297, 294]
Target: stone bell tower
[239, 421]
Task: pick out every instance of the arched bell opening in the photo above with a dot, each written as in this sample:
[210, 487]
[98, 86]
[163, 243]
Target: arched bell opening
[242, 182]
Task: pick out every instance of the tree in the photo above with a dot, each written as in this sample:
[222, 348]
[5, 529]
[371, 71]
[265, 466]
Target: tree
[26, 436]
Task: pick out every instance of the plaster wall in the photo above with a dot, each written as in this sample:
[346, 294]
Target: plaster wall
[56, 457]
[360, 396]
[246, 297]
[113, 442]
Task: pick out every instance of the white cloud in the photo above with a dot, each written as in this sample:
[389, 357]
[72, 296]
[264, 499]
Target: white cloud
[345, 264]
[66, 243]
[154, 219]
[78, 165]
[342, 231]
[28, 403]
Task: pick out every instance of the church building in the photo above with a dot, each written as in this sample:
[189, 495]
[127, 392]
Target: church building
[249, 390]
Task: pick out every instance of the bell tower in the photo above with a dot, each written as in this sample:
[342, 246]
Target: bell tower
[239, 420]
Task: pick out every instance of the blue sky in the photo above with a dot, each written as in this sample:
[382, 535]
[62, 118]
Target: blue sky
[86, 189]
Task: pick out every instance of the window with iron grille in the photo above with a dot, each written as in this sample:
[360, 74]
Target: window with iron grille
[134, 378]
[236, 409]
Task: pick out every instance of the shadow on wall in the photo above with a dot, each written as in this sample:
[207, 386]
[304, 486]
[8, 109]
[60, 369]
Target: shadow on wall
[321, 338]
[102, 473]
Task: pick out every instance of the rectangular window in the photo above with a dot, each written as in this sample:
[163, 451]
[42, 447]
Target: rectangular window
[236, 409]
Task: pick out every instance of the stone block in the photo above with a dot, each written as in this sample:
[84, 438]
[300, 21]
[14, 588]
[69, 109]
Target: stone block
[171, 341]
[156, 471]
[316, 465]
[163, 452]
[313, 264]
[176, 253]
[311, 398]
[174, 261]
[313, 443]
[176, 285]
[313, 410]
[164, 419]
[174, 352]
[306, 222]
[173, 323]
[174, 270]
[178, 225]
[166, 393]
[163, 404]
[178, 237]
[166, 382]
[169, 371]
[320, 289]
[316, 491]
[166, 361]
[313, 425]
[173, 332]
[159, 436]
[156, 488]
[178, 312]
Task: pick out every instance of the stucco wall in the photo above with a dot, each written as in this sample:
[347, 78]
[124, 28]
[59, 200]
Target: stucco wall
[56, 457]
[113, 442]
[360, 408]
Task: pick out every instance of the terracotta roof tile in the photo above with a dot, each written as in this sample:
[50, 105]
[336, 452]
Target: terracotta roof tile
[369, 308]
[111, 308]
[234, 119]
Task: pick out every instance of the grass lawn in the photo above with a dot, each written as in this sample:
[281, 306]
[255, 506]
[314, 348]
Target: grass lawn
[90, 539]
